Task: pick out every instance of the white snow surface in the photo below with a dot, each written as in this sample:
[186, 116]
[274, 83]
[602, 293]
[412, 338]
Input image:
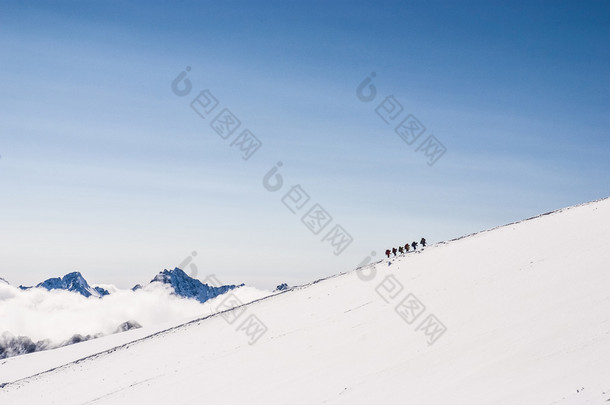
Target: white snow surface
[526, 307]
[153, 306]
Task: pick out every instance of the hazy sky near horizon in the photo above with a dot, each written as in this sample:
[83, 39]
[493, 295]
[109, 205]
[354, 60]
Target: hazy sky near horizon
[107, 171]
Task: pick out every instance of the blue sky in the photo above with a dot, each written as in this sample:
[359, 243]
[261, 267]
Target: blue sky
[108, 172]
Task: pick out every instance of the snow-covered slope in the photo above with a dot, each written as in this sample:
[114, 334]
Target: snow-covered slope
[152, 308]
[526, 309]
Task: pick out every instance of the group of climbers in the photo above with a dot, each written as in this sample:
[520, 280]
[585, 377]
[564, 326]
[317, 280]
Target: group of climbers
[405, 248]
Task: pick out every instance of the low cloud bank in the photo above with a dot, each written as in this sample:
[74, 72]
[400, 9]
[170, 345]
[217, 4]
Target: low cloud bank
[38, 319]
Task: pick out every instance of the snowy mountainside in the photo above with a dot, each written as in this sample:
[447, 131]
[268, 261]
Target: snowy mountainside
[515, 315]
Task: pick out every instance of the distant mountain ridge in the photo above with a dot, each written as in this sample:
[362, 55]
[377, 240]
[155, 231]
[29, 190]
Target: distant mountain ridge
[188, 287]
[177, 280]
[73, 282]
[182, 285]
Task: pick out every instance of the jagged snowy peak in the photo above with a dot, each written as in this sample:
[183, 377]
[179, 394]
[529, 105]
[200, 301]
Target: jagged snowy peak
[182, 284]
[74, 282]
[106, 289]
[188, 287]
[282, 287]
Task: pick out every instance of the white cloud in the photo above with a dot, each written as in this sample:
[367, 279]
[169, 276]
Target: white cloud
[58, 315]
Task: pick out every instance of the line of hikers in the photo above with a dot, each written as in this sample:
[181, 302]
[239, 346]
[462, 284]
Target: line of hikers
[406, 248]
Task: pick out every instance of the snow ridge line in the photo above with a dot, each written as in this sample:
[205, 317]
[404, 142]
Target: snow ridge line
[445, 242]
[557, 211]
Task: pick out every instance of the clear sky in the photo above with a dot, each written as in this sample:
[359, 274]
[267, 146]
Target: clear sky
[106, 170]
